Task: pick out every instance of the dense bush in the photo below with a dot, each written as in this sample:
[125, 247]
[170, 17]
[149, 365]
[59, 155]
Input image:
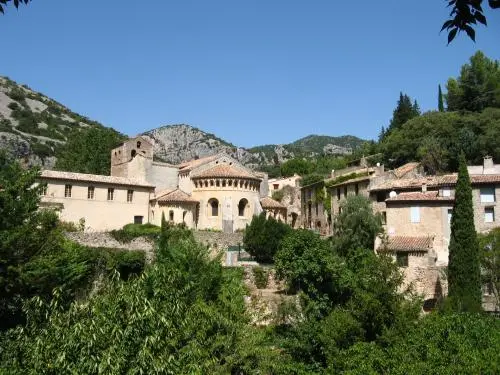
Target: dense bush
[261, 277]
[262, 237]
[131, 231]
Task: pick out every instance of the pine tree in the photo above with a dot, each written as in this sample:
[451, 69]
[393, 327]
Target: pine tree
[404, 111]
[464, 279]
[440, 99]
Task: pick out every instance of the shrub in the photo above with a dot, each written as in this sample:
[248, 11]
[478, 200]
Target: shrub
[131, 231]
[261, 277]
[278, 195]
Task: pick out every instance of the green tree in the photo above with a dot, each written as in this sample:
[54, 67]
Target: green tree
[89, 151]
[297, 165]
[464, 279]
[356, 226]
[263, 236]
[477, 87]
[466, 14]
[403, 112]
[440, 100]
[489, 245]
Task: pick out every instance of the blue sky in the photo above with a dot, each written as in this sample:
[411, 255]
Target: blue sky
[251, 71]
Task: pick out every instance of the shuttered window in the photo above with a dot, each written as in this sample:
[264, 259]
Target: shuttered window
[415, 214]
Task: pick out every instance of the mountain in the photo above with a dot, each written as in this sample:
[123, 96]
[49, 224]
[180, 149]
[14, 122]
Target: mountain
[33, 127]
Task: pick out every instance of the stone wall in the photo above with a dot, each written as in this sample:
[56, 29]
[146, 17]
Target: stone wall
[218, 240]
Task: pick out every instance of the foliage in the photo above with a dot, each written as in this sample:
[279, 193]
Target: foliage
[356, 226]
[477, 87]
[311, 179]
[344, 178]
[185, 314]
[298, 166]
[489, 246]
[15, 2]
[262, 237]
[261, 277]
[131, 231]
[437, 138]
[465, 14]
[464, 280]
[403, 112]
[440, 99]
[278, 195]
[89, 151]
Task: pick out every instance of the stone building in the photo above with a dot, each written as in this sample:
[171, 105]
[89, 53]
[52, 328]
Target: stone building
[215, 192]
[315, 208]
[288, 191]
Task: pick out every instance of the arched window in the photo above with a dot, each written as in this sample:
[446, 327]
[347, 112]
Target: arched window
[214, 207]
[138, 144]
[241, 207]
[133, 153]
[171, 215]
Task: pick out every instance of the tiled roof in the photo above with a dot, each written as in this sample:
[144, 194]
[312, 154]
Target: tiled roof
[176, 196]
[267, 202]
[434, 181]
[419, 196]
[188, 165]
[408, 243]
[347, 182]
[404, 169]
[225, 170]
[84, 177]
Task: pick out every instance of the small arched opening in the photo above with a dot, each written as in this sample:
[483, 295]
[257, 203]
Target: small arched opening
[213, 204]
[133, 153]
[242, 205]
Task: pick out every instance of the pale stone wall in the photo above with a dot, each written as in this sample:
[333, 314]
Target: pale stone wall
[278, 183]
[183, 213]
[218, 240]
[480, 224]
[126, 152]
[433, 223]
[228, 199]
[351, 190]
[314, 214]
[276, 213]
[99, 213]
[163, 176]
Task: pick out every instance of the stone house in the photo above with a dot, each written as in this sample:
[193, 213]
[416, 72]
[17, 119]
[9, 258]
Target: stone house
[279, 183]
[215, 192]
[315, 208]
[288, 189]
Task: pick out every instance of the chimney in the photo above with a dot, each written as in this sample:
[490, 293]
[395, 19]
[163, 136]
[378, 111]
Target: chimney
[487, 163]
[424, 188]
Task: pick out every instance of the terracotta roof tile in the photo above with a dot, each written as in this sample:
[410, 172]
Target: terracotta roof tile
[224, 170]
[267, 202]
[84, 177]
[419, 196]
[176, 196]
[408, 243]
[404, 169]
[188, 165]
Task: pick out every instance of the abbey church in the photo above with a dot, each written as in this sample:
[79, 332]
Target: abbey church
[212, 193]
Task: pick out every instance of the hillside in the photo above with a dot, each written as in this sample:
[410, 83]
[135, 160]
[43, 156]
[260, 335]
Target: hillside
[33, 127]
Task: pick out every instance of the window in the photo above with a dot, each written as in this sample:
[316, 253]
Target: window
[338, 194]
[450, 213]
[133, 153]
[489, 214]
[384, 218]
[138, 144]
[130, 195]
[241, 207]
[276, 186]
[345, 191]
[43, 189]
[214, 205]
[381, 196]
[446, 192]
[415, 214]
[67, 191]
[171, 215]
[90, 192]
[138, 219]
[402, 259]
[184, 213]
[487, 194]
[316, 206]
[356, 189]
[111, 193]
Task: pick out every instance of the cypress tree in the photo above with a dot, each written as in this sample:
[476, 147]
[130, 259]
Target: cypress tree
[464, 278]
[440, 100]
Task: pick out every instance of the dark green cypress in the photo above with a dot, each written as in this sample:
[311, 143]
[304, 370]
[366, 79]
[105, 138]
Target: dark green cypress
[440, 100]
[464, 279]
